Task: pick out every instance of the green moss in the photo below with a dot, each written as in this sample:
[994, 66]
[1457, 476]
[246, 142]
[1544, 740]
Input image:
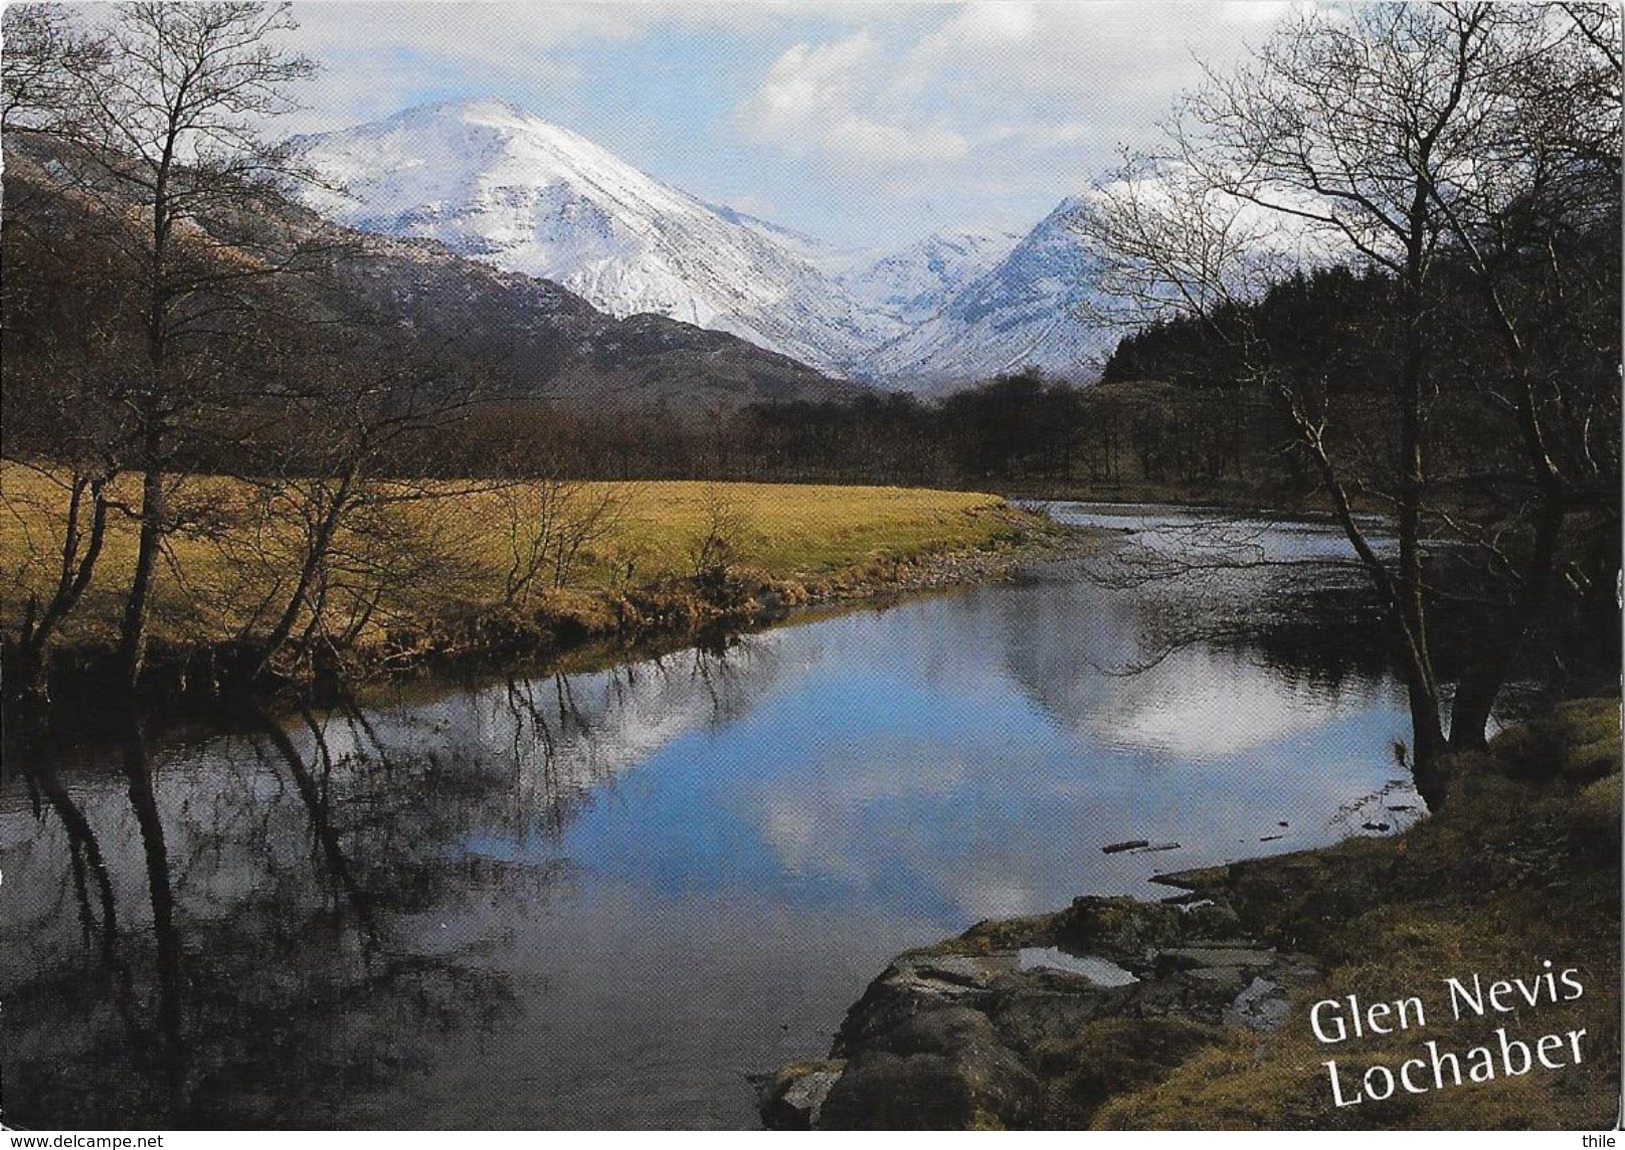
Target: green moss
[1116, 926]
[1004, 934]
[1589, 720]
[1533, 751]
[1579, 742]
[1225, 1087]
[1596, 809]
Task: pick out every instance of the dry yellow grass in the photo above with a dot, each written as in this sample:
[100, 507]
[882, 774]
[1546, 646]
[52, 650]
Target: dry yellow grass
[216, 580]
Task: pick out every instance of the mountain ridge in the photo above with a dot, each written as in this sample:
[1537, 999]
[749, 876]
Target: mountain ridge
[1026, 311]
[500, 185]
[531, 338]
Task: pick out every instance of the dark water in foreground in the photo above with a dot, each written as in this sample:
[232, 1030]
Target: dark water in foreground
[604, 899]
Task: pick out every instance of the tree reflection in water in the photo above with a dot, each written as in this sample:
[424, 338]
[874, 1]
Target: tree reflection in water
[595, 899]
[264, 978]
[252, 930]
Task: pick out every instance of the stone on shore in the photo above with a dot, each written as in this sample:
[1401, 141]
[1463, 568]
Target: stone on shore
[1033, 1022]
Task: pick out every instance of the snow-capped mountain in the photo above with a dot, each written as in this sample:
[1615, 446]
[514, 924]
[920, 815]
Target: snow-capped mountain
[917, 282]
[496, 183]
[1023, 312]
[499, 184]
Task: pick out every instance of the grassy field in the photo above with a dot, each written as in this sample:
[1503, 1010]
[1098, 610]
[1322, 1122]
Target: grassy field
[448, 553]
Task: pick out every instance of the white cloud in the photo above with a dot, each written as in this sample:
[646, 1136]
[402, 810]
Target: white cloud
[378, 55]
[890, 143]
[494, 34]
[813, 95]
[998, 81]
[850, 115]
[807, 82]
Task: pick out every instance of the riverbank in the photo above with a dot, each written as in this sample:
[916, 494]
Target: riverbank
[1221, 494]
[1200, 1011]
[671, 561]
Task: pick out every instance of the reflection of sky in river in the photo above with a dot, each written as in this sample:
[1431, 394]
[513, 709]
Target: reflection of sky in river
[686, 868]
[864, 772]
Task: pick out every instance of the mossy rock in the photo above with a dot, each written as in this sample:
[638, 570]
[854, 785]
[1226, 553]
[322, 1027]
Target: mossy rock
[1594, 761]
[1224, 1086]
[1596, 812]
[1579, 744]
[1008, 934]
[1491, 795]
[1532, 752]
[1591, 733]
[1294, 901]
[1116, 927]
[1586, 721]
[1212, 920]
[793, 1099]
[1522, 860]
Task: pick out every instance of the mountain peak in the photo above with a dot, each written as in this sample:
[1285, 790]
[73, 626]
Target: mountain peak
[498, 118]
[467, 108]
[918, 281]
[498, 183]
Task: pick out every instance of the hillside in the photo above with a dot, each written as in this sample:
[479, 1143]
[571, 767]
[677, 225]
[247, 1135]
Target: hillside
[532, 339]
[499, 184]
[545, 341]
[1026, 311]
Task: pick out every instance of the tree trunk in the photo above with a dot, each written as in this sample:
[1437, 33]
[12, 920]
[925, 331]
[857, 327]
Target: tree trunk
[1429, 767]
[133, 631]
[314, 560]
[76, 572]
[1481, 685]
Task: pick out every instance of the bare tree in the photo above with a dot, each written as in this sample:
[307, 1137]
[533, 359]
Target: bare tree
[552, 521]
[67, 443]
[344, 510]
[52, 381]
[1399, 138]
[234, 342]
[1536, 225]
[167, 130]
[46, 50]
[717, 546]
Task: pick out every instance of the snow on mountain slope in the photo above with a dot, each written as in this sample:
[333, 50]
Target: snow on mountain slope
[1025, 311]
[918, 281]
[496, 183]
[826, 257]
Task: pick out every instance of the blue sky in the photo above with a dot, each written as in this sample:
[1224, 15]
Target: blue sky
[863, 124]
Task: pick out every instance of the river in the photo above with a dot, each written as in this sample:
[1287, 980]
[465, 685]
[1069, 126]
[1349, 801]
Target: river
[606, 899]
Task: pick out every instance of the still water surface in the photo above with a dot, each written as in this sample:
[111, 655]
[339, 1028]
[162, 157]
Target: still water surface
[605, 899]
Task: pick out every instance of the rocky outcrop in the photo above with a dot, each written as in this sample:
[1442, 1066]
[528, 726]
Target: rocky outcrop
[1033, 1022]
